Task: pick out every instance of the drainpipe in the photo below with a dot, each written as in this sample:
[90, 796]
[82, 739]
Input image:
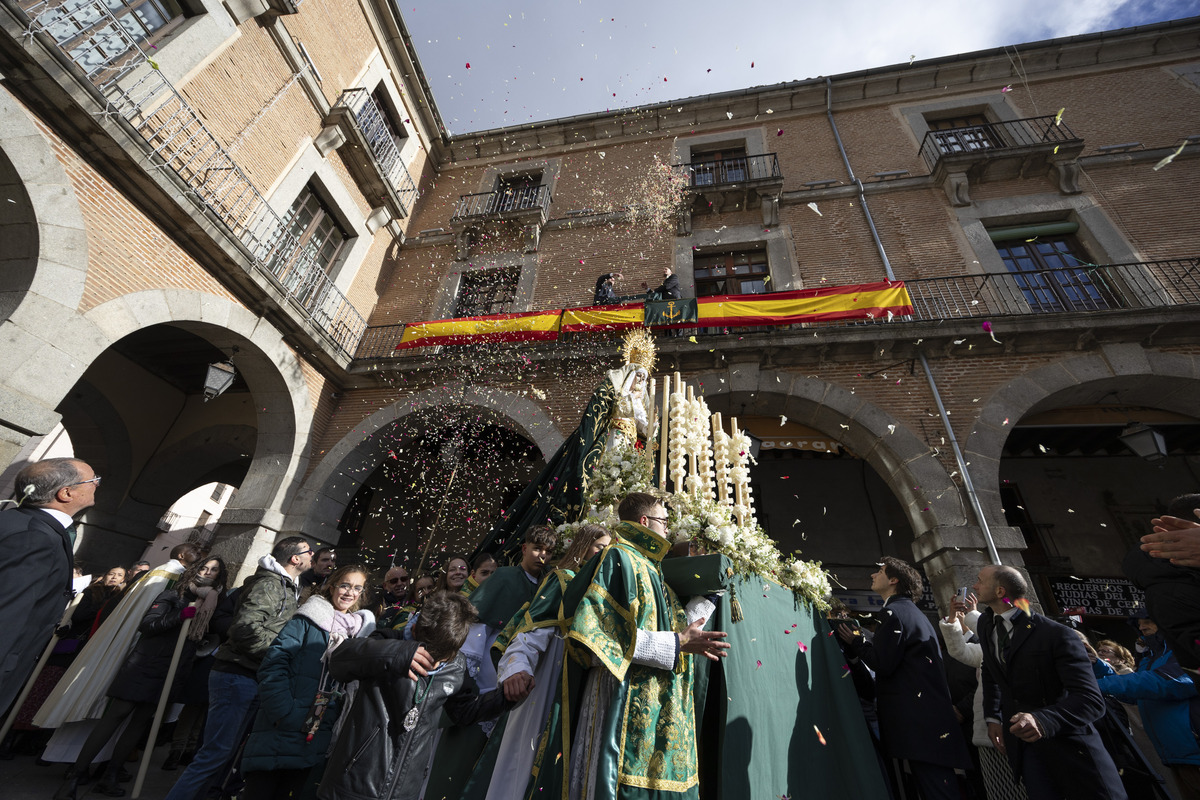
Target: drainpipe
[968, 484]
[862, 195]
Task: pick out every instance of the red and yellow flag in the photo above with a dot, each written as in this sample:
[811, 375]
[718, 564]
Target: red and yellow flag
[862, 301]
[528, 327]
[603, 318]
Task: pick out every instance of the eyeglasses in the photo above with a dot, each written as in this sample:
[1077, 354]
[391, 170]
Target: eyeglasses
[663, 520]
[397, 580]
[348, 587]
[95, 480]
[307, 552]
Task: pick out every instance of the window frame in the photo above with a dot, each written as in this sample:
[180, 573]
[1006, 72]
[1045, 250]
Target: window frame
[730, 257]
[510, 275]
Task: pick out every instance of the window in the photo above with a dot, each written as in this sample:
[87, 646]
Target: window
[963, 134]
[203, 519]
[389, 118]
[310, 221]
[726, 165]
[487, 291]
[518, 192]
[218, 492]
[89, 37]
[744, 272]
[1052, 273]
[321, 238]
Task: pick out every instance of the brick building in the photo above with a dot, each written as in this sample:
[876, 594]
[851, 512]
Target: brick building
[924, 435]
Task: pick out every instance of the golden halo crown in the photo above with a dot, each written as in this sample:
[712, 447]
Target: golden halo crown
[638, 348]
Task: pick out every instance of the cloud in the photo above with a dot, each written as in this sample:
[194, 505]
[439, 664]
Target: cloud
[528, 62]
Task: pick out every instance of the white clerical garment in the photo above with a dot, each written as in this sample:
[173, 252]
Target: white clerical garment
[539, 653]
[81, 694]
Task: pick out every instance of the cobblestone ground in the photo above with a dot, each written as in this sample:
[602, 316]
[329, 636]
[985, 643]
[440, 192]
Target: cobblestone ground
[22, 779]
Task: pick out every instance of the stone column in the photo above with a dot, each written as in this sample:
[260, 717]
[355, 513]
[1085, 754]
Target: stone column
[243, 536]
[953, 556]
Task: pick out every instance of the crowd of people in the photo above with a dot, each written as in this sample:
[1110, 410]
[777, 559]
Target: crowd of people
[318, 680]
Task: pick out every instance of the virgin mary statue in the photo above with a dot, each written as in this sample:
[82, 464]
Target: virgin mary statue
[617, 415]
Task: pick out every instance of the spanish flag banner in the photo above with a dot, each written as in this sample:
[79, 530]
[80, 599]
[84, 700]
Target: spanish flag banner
[862, 301]
[603, 318]
[528, 327]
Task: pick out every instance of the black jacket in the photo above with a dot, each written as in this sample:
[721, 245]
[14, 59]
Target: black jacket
[141, 677]
[373, 757]
[35, 582]
[668, 289]
[1047, 673]
[910, 685]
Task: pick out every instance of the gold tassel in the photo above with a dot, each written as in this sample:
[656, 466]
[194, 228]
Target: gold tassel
[735, 608]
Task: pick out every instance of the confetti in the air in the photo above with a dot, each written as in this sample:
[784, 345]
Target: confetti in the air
[816, 210]
[820, 736]
[1169, 158]
[1006, 89]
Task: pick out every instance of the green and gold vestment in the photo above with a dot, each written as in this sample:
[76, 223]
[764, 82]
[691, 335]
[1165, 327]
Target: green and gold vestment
[651, 717]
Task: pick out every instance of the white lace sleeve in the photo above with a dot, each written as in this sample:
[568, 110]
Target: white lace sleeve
[657, 649]
[524, 652]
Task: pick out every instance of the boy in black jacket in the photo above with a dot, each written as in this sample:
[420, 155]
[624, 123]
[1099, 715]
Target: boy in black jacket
[384, 744]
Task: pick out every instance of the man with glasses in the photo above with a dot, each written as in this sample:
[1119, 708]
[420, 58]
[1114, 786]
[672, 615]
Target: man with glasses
[638, 636]
[267, 601]
[35, 579]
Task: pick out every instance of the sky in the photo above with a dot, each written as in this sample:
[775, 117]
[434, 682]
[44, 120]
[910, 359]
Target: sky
[494, 63]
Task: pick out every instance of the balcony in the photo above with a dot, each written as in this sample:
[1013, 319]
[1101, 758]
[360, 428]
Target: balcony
[734, 184]
[175, 137]
[1085, 288]
[994, 151]
[525, 203]
[1077, 293]
[374, 159]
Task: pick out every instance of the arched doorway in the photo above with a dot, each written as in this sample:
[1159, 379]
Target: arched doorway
[445, 476]
[1061, 474]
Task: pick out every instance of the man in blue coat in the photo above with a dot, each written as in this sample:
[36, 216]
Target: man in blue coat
[35, 573]
[1040, 697]
[1165, 695]
[916, 715]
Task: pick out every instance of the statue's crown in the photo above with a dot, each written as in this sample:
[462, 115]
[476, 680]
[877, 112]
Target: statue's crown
[638, 348]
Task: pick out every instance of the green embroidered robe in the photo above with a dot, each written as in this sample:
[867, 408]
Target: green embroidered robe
[651, 717]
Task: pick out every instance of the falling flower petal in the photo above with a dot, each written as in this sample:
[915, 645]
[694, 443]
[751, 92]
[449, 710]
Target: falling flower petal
[820, 736]
[1006, 89]
[1169, 158]
[803, 647]
[816, 210]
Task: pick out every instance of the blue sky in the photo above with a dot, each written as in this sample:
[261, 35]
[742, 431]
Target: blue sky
[543, 59]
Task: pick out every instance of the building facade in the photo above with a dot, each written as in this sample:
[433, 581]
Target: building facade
[1050, 255]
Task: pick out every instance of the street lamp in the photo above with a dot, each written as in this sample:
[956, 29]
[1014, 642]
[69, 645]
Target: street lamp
[1145, 442]
[219, 377]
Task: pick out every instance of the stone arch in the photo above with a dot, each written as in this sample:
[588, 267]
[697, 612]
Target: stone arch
[908, 465]
[330, 487]
[269, 367]
[43, 268]
[1169, 381]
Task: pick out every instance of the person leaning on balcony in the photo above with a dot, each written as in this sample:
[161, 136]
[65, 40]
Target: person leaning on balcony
[668, 289]
[606, 293]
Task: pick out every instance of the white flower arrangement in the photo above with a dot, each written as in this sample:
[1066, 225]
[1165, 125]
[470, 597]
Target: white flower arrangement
[715, 527]
[619, 471]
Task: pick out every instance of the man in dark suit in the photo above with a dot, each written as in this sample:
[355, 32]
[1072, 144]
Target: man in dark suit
[1040, 696]
[668, 289]
[916, 716]
[35, 574]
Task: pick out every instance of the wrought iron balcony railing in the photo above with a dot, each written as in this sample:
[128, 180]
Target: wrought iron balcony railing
[1085, 288]
[990, 137]
[504, 201]
[739, 169]
[378, 134]
[132, 88]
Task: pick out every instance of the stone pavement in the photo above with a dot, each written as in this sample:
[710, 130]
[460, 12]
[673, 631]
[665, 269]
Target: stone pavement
[22, 779]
